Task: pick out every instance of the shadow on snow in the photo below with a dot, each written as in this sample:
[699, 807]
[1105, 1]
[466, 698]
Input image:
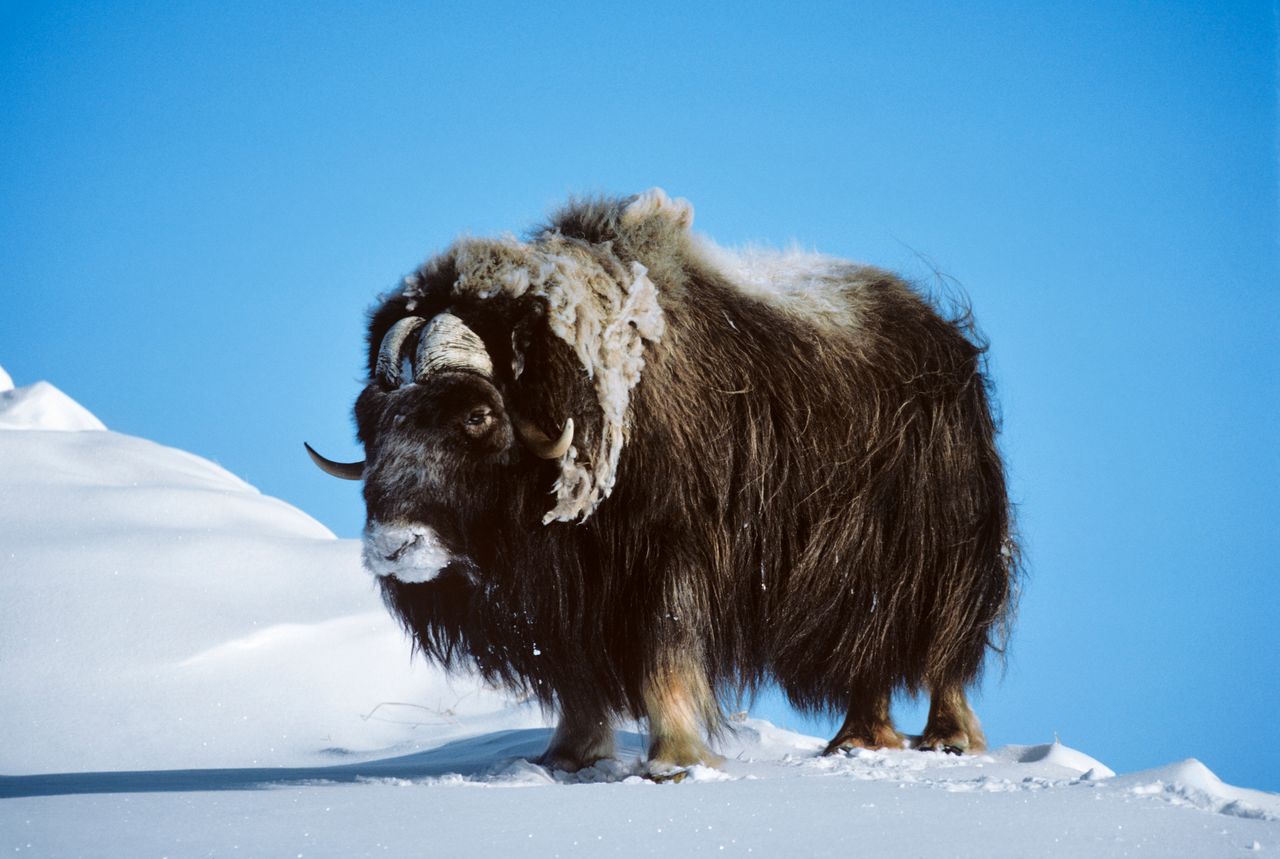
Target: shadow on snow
[472, 756]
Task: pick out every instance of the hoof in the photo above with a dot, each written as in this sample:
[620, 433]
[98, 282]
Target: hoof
[888, 739]
[662, 770]
[564, 763]
[946, 749]
[954, 745]
[665, 755]
[672, 776]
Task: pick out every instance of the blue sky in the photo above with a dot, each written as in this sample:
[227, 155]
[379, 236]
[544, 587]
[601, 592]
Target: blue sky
[199, 201]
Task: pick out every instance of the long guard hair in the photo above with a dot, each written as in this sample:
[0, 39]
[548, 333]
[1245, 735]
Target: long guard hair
[786, 467]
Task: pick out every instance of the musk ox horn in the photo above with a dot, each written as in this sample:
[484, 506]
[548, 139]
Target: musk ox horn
[389, 354]
[345, 470]
[539, 442]
[448, 344]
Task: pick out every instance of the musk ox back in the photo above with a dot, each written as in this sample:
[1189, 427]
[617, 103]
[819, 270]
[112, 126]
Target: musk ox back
[626, 472]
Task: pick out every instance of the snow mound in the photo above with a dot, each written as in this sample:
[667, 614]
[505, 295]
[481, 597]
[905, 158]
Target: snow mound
[1058, 755]
[157, 611]
[42, 407]
[1192, 783]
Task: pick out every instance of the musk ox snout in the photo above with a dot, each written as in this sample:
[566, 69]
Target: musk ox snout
[410, 552]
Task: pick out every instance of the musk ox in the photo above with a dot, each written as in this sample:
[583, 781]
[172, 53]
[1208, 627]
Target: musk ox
[627, 472]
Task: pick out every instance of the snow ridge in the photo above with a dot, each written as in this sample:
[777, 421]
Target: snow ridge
[42, 407]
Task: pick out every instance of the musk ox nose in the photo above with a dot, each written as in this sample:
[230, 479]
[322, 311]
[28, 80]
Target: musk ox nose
[410, 552]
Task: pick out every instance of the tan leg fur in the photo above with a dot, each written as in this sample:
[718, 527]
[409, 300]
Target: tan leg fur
[952, 724]
[679, 705]
[867, 726]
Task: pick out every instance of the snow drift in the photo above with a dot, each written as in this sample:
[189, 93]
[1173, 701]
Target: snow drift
[42, 407]
[157, 611]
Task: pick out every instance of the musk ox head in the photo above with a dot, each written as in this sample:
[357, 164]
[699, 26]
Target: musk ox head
[453, 423]
[440, 444]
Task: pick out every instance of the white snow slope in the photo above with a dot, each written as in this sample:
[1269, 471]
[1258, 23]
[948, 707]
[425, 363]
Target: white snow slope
[190, 668]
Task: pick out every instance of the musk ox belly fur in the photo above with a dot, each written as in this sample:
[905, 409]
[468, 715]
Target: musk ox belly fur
[779, 466]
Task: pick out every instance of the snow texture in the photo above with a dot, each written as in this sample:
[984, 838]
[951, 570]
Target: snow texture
[42, 407]
[191, 668]
[410, 553]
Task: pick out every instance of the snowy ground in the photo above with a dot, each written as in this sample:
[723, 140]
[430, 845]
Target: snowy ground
[190, 668]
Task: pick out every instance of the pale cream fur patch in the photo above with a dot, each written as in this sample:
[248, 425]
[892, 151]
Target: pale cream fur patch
[604, 321]
[811, 285]
[678, 703]
[655, 202]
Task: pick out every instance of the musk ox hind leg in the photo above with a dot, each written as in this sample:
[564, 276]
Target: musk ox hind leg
[680, 707]
[583, 736]
[867, 726]
[952, 727]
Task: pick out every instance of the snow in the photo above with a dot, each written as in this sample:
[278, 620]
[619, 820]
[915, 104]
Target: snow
[192, 668]
[41, 406]
[410, 553]
[157, 611]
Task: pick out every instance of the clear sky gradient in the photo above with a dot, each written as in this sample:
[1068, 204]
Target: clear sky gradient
[199, 201]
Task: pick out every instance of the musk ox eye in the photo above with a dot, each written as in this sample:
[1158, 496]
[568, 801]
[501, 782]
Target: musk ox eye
[477, 421]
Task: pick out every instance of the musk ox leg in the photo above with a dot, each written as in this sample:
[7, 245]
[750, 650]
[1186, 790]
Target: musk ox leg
[679, 706]
[952, 725]
[584, 736]
[867, 726]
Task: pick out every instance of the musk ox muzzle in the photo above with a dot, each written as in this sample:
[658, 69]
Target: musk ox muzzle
[411, 552]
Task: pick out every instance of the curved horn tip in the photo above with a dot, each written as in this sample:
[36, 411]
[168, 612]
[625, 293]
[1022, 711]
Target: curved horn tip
[561, 445]
[343, 470]
[538, 442]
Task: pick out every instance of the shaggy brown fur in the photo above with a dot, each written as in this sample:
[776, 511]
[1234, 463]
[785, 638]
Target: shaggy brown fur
[796, 480]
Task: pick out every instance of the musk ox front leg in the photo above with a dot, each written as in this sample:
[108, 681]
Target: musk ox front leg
[952, 727]
[583, 737]
[867, 726]
[679, 706]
